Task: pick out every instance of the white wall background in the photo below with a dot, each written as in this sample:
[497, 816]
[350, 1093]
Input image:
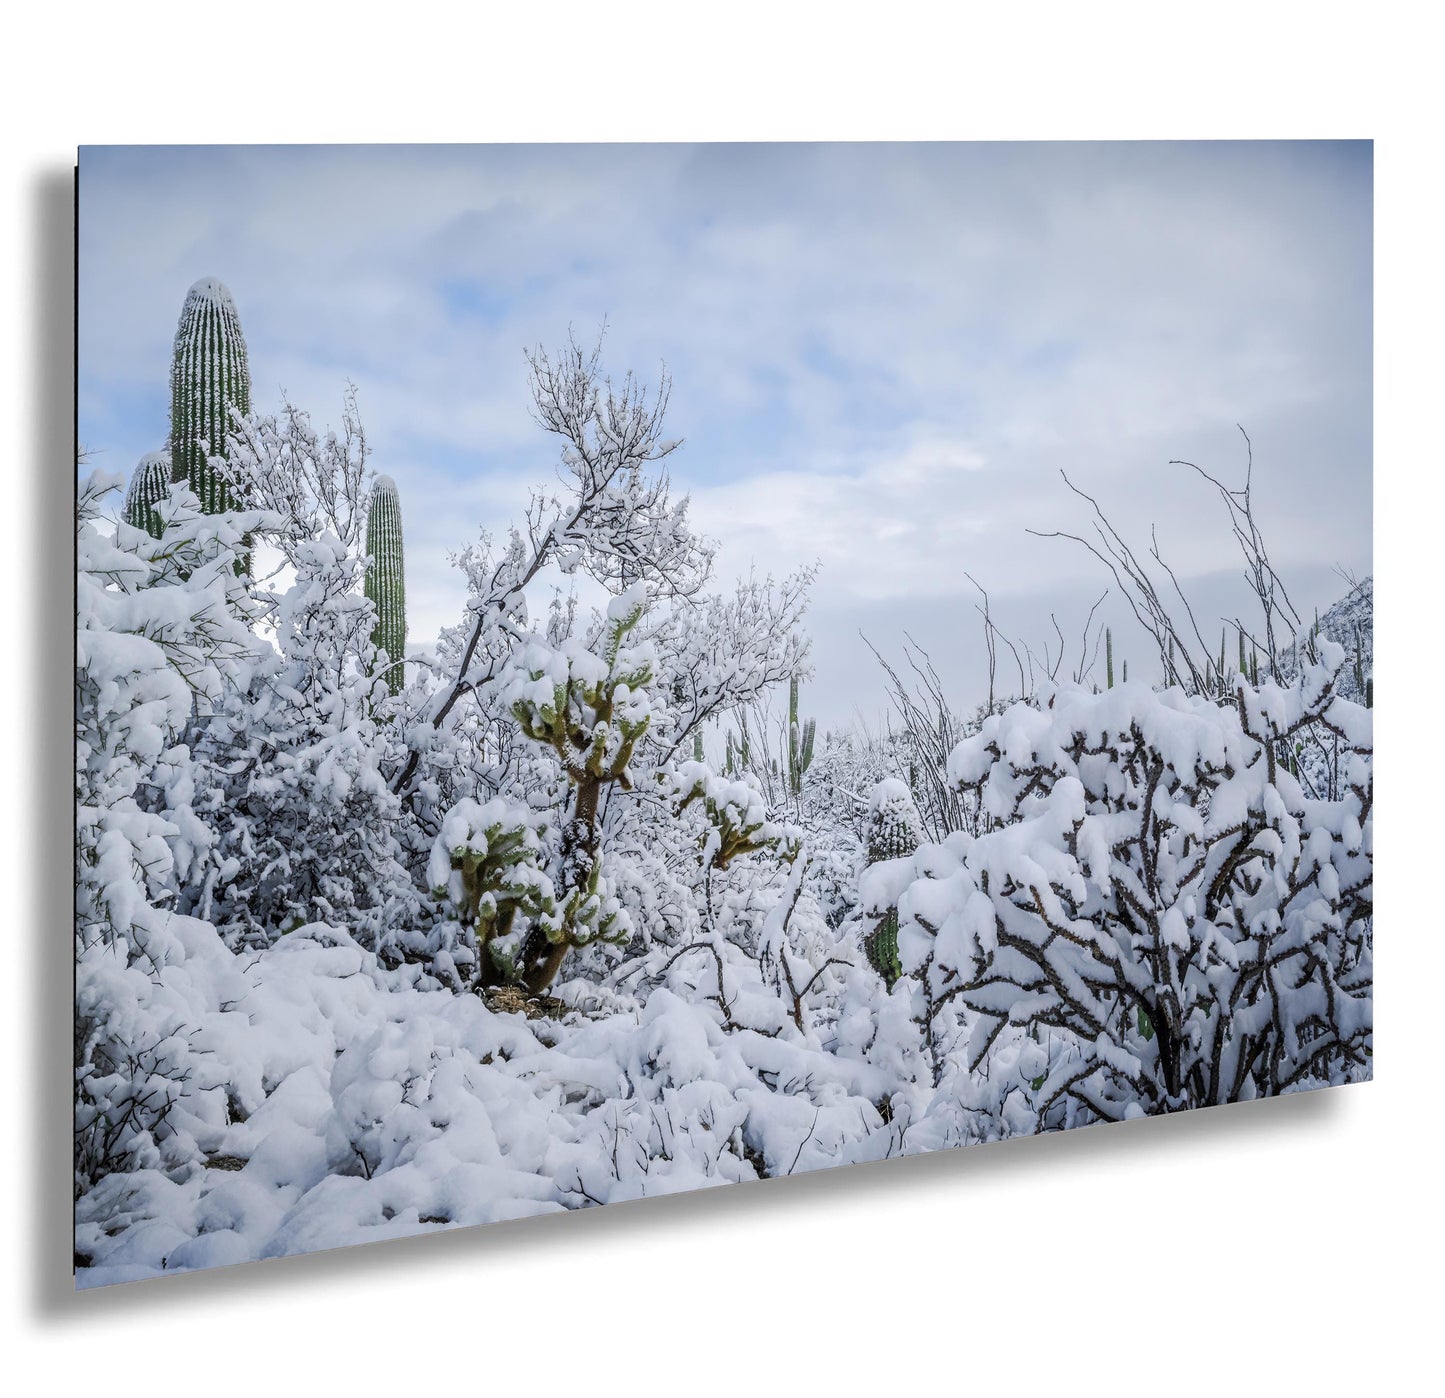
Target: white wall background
[1242, 1250]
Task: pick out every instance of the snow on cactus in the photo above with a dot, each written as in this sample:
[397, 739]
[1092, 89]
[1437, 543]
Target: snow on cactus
[894, 827]
[150, 483]
[488, 861]
[386, 578]
[894, 831]
[210, 379]
[591, 710]
[737, 816]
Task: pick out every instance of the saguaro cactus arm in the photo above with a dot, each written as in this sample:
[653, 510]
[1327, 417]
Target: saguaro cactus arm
[150, 483]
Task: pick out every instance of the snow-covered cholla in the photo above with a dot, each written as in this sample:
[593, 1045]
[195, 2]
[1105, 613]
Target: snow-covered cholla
[355, 963]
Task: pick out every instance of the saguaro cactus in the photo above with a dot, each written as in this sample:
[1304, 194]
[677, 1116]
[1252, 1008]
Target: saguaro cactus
[150, 483]
[386, 578]
[209, 376]
[800, 743]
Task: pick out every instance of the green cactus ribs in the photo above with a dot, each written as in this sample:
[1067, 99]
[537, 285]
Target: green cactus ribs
[881, 947]
[209, 377]
[895, 831]
[150, 483]
[386, 580]
[592, 716]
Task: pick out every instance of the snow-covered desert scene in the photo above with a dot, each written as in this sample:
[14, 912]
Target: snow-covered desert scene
[603, 671]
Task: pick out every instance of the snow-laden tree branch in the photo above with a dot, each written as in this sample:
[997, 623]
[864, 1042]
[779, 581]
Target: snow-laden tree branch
[614, 521]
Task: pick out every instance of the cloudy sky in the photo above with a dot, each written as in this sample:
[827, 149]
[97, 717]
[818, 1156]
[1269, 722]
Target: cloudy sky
[882, 355]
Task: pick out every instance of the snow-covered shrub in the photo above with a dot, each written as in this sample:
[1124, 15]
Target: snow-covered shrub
[161, 635]
[1158, 907]
[296, 762]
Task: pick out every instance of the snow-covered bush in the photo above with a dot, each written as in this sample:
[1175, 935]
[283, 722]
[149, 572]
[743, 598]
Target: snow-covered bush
[296, 762]
[162, 633]
[1158, 905]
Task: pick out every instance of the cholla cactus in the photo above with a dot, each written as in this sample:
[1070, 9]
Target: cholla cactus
[591, 711]
[150, 483]
[800, 743]
[386, 578]
[209, 377]
[487, 862]
[894, 832]
[737, 818]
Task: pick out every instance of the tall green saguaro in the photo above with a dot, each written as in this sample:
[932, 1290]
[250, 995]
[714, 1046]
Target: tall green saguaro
[386, 577]
[209, 375]
[150, 483]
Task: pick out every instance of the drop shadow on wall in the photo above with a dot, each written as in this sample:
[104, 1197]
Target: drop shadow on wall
[53, 1300]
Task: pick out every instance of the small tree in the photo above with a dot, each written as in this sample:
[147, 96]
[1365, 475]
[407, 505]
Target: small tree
[616, 522]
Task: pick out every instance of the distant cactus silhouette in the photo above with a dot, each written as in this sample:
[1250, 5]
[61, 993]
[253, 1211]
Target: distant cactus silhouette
[386, 578]
[800, 743]
[150, 483]
[209, 376]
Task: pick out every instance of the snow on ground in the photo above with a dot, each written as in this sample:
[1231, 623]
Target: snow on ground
[345, 1105]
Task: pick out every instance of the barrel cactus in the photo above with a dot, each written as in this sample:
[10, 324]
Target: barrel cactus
[386, 578]
[894, 828]
[209, 377]
[150, 483]
[894, 832]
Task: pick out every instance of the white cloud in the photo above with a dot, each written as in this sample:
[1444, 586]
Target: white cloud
[882, 355]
